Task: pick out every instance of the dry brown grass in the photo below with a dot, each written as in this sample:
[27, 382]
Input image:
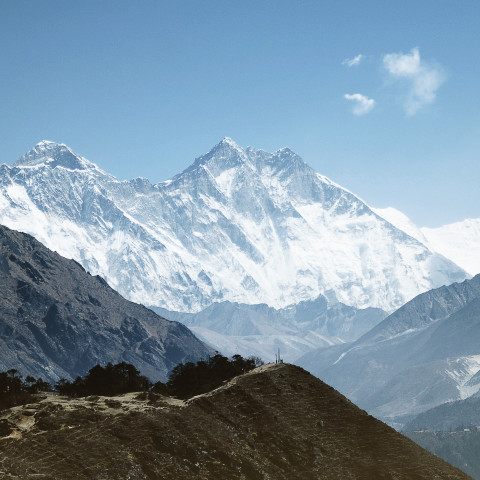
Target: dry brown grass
[276, 422]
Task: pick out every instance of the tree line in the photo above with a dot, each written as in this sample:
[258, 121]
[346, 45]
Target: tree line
[190, 379]
[15, 391]
[185, 380]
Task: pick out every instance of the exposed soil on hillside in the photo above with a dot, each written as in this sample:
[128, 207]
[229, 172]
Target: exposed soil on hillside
[276, 422]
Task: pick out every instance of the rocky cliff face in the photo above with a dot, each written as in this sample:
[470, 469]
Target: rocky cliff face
[274, 422]
[56, 320]
[239, 225]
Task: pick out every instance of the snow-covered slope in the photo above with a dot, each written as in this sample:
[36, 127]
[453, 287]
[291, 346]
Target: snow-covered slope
[402, 222]
[241, 225]
[458, 241]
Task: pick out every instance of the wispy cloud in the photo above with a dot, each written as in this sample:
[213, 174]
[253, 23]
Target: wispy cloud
[353, 62]
[362, 104]
[424, 79]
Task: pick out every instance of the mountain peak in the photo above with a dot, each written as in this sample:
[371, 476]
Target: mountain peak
[226, 146]
[286, 151]
[228, 141]
[46, 143]
[53, 154]
[227, 154]
[222, 156]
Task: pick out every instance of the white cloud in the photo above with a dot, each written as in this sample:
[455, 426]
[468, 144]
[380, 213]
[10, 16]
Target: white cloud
[424, 79]
[362, 104]
[353, 62]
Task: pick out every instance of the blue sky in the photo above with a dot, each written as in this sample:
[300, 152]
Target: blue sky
[142, 88]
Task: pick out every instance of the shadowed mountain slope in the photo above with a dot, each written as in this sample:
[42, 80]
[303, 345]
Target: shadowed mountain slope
[424, 354]
[276, 422]
[452, 432]
[460, 448]
[449, 416]
[56, 320]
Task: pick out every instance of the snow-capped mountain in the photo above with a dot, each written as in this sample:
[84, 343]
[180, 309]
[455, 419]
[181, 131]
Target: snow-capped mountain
[239, 225]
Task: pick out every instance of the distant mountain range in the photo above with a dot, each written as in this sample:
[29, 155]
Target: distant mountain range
[238, 225]
[56, 320]
[424, 354]
[261, 330]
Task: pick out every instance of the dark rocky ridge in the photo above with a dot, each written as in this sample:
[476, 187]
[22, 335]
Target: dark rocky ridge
[56, 320]
[425, 309]
[276, 422]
